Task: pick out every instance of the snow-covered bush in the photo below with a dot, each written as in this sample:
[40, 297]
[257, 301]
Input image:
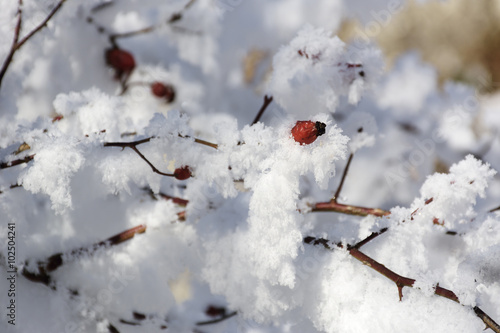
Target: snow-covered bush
[143, 190]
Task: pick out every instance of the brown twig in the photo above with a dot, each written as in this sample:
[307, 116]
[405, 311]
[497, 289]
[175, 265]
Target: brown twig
[16, 44]
[267, 101]
[10, 164]
[337, 193]
[494, 209]
[372, 236]
[101, 6]
[332, 206]
[487, 319]
[201, 142]
[218, 320]
[139, 317]
[41, 25]
[133, 145]
[400, 280]
[55, 261]
[13, 186]
[113, 37]
[13, 48]
[178, 16]
[176, 200]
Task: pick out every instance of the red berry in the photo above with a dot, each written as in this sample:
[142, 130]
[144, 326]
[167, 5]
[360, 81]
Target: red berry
[165, 91]
[121, 61]
[182, 173]
[307, 131]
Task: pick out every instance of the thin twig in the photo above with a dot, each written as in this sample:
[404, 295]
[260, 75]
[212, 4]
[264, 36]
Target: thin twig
[132, 145]
[494, 209]
[372, 236]
[332, 206]
[13, 48]
[337, 193]
[218, 320]
[12, 186]
[267, 101]
[206, 143]
[178, 16]
[101, 6]
[113, 37]
[202, 142]
[175, 200]
[41, 25]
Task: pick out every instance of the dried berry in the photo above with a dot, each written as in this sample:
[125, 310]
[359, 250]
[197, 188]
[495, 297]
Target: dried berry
[307, 131]
[162, 90]
[215, 311]
[182, 173]
[121, 61]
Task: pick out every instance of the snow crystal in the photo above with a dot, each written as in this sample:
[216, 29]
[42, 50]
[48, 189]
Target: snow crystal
[56, 161]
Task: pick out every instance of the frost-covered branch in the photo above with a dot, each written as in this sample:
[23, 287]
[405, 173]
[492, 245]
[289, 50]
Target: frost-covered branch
[13, 48]
[41, 25]
[399, 280]
[10, 164]
[45, 267]
[17, 44]
[179, 173]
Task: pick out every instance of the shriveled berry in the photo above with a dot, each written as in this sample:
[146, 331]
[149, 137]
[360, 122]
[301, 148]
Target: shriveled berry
[215, 311]
[121, 61]
[182, 173]
[306, 131]
[162, 90]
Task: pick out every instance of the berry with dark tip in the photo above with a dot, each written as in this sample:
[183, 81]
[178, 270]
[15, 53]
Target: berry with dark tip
[306, 132]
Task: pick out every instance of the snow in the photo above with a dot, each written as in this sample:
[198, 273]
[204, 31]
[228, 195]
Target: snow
[425, 153]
